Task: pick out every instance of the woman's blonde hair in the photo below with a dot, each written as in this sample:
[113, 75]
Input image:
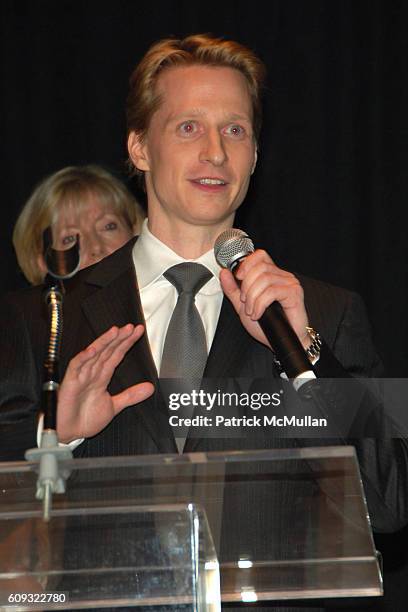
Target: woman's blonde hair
[71, 186]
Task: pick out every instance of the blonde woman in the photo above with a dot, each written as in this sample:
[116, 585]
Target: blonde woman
[84, 200]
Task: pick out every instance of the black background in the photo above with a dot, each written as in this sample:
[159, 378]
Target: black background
[328, 198]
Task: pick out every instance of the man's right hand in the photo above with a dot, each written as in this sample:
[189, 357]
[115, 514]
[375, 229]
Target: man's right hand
[85, 406]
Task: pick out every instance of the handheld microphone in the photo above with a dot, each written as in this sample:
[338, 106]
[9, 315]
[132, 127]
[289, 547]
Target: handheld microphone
[231, 247]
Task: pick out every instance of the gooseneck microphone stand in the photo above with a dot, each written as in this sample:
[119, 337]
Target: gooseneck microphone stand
[50, 455]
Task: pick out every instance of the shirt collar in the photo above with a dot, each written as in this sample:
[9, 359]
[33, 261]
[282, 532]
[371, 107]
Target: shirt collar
[152, 258]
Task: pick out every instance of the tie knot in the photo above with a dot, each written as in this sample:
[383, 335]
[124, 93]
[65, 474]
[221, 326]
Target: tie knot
[188, 277]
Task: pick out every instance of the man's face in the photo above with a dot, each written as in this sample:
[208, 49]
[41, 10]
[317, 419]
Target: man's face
[199, 150]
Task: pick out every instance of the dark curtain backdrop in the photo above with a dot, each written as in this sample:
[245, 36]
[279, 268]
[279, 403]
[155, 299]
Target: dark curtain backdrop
[330, 192]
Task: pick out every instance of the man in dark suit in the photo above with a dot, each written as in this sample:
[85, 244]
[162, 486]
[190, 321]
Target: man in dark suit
[193, 123]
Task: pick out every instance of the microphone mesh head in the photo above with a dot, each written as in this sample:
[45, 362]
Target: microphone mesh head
[231, 245]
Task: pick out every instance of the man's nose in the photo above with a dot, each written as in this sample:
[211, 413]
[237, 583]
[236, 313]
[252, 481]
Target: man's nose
[213, 149]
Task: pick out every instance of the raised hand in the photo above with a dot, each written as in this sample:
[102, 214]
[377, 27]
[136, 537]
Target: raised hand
[85, 406]
[262, 282]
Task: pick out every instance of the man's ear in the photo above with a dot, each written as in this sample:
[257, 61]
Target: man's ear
[137, 152]
[255, 160]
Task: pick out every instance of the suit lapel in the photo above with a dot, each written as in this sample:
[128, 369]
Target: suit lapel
[230, 344]
[228, 352]
[117, 302]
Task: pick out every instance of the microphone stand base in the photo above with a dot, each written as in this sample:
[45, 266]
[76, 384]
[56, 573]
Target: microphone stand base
[52, 474]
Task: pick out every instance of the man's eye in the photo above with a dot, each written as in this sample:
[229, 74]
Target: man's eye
[68, 239]
[235, 130]
[112, 225]
[187, 127]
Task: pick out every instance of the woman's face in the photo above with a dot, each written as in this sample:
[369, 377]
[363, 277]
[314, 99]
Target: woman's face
[101, 230]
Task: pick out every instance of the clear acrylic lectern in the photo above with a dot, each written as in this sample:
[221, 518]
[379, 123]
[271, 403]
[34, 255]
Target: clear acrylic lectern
[160, 530]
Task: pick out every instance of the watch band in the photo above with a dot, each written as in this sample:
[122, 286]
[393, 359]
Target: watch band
[313, 351]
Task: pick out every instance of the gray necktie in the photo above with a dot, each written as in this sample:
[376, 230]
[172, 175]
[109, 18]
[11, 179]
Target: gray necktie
[185, 347]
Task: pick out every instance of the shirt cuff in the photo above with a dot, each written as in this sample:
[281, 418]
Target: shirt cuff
[72, 445]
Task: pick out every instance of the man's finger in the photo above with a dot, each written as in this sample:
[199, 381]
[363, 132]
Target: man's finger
[127, 336]
[288, 301]
[115, 352]
[230, 288]
[113, 335]
[132, 395]
[103, 346]
[93, 350]
[254, 259]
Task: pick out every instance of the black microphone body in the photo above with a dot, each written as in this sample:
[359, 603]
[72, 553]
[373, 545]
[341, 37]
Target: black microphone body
[274, 323]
